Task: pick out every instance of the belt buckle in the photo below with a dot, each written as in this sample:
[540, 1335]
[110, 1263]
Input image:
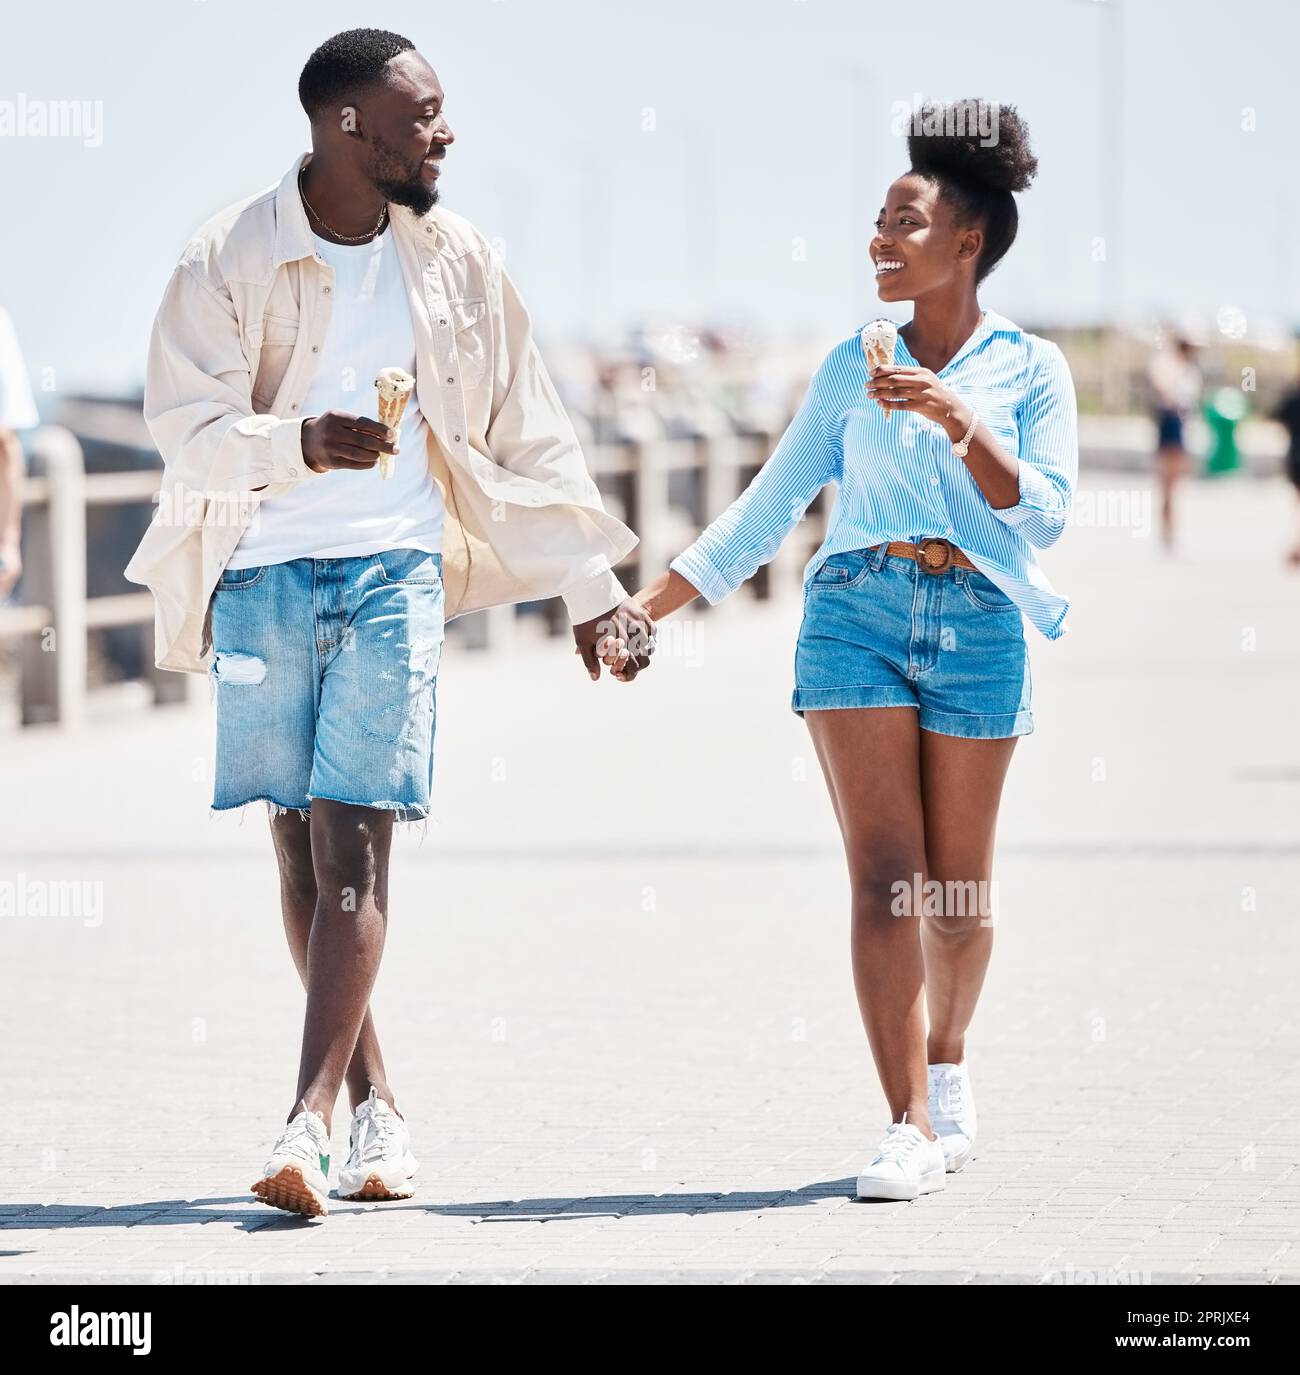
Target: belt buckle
[926, 551]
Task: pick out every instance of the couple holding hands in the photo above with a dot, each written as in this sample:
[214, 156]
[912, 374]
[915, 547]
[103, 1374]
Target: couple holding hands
[318, 607]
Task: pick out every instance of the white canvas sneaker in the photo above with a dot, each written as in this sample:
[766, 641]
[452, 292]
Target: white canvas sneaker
[906, 1165]
[380, 1164]
[296, 1177]
[952, 1112]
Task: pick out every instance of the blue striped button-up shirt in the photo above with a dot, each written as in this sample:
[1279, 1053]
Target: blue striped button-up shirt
[898, 478]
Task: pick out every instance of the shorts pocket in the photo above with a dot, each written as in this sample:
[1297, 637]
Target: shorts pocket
[984, 593]
[842, 571]
[232, 579]
[407, 566]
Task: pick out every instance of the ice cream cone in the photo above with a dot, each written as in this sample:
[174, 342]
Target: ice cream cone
[878, 341]
[394, 387]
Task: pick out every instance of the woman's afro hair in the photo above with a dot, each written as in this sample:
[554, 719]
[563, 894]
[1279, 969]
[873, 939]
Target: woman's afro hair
[978, 154]
[974, 141]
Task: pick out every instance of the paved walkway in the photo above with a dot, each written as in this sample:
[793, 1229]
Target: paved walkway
[619, 1014]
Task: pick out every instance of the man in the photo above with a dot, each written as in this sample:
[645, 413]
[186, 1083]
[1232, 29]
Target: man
[1287, 415]
[17, 412]
[314, 590]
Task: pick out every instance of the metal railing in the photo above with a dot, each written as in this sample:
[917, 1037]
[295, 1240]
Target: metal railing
[56, 616]
[636, 479]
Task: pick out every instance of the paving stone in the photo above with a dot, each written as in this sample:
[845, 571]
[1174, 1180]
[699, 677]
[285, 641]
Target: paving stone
[622, 1027]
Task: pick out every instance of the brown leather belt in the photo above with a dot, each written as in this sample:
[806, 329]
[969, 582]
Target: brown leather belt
[934, 555]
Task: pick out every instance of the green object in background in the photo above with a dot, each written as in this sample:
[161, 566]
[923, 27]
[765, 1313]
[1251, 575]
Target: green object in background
[1224, 410]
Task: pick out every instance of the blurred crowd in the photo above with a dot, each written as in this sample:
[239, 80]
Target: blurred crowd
[673, 381]
[676, 383]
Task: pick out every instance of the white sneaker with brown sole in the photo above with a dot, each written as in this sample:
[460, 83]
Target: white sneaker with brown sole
[380, 1164]
[296, 1177]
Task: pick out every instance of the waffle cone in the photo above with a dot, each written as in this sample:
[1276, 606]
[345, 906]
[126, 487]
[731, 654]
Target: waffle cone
[394, 389]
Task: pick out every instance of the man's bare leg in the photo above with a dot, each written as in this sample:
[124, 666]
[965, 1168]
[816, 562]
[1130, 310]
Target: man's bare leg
[291, 835]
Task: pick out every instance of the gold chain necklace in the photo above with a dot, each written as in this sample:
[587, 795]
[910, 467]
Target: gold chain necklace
[347, 238]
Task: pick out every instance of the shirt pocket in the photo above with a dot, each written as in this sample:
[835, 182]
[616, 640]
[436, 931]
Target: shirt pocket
[997, 409]
[469, 321]
[275, 338]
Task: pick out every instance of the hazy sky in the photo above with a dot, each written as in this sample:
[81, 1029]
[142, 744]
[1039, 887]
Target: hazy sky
[688, 160]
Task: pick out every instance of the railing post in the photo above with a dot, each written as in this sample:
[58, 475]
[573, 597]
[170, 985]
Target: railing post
[724, 456]
[54, 660]
[650, 497]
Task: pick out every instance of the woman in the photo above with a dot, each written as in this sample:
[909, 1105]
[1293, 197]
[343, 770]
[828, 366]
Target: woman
[1175, 383]
[911, 668]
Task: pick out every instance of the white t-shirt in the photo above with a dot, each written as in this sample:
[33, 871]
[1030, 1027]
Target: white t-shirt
[1176, 382]
[17, 408]
[341, 514]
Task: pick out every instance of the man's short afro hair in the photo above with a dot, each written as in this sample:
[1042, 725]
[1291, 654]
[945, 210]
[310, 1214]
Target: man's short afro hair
[346, 64]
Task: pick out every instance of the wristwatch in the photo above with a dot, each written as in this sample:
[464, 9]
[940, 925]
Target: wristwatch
[962, 447]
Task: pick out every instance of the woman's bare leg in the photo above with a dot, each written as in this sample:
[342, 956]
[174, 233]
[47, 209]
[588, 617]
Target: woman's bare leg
[1171, 465]
[871, 760]
[961, 787]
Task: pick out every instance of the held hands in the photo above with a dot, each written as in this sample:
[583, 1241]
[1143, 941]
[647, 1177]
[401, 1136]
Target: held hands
[920, 391]
[623, 639]
[338, 439]
[625, 653]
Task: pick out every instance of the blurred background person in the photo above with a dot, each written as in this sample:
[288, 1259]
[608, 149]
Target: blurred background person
[1175, 382]
[1288, 414]
[17, 412]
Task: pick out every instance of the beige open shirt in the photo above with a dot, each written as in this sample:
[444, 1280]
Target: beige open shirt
[233, 350]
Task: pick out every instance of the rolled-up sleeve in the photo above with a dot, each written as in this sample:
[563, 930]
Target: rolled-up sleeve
[750, 531]
[198, 397]
[530, 433]
[1048, 463]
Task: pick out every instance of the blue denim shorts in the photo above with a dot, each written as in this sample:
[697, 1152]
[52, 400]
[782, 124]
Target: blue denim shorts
[325, 673]
[879, 631]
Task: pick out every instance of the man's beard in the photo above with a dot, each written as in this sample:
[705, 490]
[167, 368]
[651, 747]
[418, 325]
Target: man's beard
[399, 181]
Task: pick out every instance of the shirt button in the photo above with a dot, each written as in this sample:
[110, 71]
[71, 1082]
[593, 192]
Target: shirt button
[294, 407]
[457, 438]
[934, 482]
[442, 322]
[326, 290]
[451, 379]
[315, 348]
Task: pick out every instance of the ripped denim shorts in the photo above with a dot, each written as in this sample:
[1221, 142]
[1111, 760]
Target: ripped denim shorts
[325, 673]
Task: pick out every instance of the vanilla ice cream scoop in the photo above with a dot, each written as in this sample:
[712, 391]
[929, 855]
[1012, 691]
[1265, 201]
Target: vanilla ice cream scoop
[394, 387]
[878, 340]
